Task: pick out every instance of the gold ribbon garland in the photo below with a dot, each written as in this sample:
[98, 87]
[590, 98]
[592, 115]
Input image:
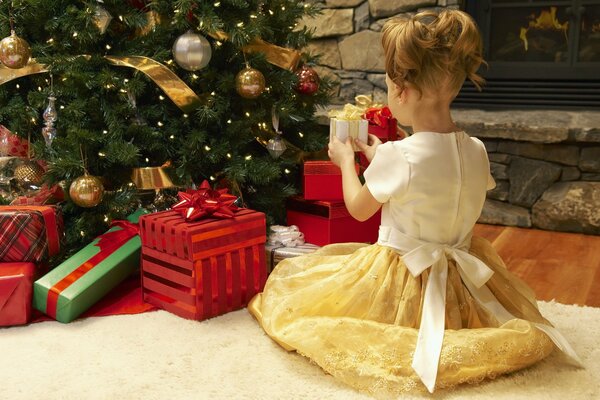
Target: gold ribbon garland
[276, 55]
[7, 74]
[280, 56]
[167, 80]
[175, 88]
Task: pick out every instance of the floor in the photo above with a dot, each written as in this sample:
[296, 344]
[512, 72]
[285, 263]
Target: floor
[556, 265]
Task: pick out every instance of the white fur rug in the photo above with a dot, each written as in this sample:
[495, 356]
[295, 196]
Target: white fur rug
[160, 356]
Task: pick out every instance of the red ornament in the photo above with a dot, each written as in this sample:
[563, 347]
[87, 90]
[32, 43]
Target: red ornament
[139, 4]
[308, 80]
[190, 17]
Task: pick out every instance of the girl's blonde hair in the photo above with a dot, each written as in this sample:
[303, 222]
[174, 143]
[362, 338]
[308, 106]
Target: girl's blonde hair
[431, 51]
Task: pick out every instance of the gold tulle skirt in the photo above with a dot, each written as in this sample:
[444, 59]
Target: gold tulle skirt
[354, 310]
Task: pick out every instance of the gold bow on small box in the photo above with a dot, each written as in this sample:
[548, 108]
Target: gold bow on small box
[349, 122]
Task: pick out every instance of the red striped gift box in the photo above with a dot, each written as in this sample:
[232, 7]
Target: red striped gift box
[202, 269]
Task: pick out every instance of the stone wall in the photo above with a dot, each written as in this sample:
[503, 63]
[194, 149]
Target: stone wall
[546, 165]
[347, 36]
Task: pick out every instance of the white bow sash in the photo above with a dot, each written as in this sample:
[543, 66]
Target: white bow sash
[418, 256]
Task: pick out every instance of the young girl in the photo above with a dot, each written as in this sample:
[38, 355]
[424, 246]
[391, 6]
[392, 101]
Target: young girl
[428, 302]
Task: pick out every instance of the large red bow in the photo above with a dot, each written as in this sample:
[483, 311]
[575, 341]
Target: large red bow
[112, 240]
[378, 116]
[196, 204]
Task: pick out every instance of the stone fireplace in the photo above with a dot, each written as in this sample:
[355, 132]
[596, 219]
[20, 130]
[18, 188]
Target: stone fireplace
[539, 54]
[540, 123]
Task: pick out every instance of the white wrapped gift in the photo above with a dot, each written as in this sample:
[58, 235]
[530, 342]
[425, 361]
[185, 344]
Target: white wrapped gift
[285, 242]
[348, 122]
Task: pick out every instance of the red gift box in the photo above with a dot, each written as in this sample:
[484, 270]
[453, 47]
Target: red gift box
[326, 222]
[323, 181]
[29, 233]
[381, 123]
[202, 269]
[389, 132]
[14, 145]
[16, 285]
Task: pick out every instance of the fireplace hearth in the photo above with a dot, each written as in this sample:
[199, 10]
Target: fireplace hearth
[540, 54]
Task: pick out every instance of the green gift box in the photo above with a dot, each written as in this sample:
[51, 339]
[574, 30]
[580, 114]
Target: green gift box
[82, 280]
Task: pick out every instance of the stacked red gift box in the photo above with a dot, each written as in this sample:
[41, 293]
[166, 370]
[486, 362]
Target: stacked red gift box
[29, 235]
[320, 213]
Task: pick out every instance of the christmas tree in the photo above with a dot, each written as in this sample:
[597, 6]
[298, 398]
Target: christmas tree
[118, 110]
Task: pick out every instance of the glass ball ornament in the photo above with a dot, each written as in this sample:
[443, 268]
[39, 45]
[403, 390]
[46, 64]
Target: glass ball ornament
[192, 51]
[29, 172]
[308, 80]
[250, 83]
[86, 191]
[14, 51]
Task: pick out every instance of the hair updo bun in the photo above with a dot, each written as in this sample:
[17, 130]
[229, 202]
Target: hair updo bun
[432, 51]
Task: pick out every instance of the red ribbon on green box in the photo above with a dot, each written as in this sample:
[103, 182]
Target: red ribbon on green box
[108, 243]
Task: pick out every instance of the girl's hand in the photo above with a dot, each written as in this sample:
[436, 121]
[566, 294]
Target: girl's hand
[369, 149]
[340, 152]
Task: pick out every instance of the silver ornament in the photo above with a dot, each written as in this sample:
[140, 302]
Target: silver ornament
[102, 19]
[192, 51]
[50, 116]
[276, 146]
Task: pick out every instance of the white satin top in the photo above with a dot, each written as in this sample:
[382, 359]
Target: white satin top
[432, 185]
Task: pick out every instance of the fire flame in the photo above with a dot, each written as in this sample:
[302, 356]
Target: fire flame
[546, 20]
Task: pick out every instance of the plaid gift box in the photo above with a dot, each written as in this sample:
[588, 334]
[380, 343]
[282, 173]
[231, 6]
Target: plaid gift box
[29, 233]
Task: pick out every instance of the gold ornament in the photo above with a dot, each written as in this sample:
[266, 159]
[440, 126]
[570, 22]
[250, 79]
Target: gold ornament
[29, 172]
[250, 83]
[86, 191]
[14, 51]
[151, 178]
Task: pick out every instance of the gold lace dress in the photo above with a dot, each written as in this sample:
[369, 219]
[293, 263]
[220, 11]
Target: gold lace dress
[425, 307]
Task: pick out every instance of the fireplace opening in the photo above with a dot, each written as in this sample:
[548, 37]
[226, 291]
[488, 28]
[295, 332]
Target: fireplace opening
[540, 54]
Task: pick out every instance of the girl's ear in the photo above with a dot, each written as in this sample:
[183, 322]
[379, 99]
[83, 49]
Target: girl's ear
[403, 93]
